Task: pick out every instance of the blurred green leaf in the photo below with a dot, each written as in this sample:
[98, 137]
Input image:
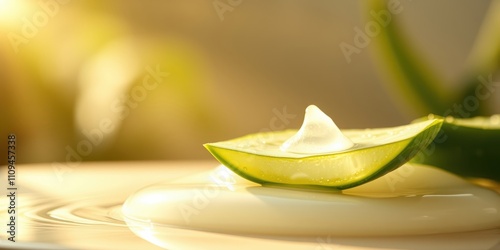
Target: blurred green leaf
[419, 83]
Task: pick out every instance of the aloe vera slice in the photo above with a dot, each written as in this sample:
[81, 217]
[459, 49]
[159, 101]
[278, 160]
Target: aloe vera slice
[257, 157]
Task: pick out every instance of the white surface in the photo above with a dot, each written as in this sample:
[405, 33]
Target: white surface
[93, 192]
[426, 207]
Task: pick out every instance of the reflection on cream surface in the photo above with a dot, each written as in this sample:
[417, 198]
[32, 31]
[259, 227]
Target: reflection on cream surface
[429, 201]
[177, 238]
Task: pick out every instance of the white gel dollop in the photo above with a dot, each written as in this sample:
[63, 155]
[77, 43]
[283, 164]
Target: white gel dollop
[318, 134]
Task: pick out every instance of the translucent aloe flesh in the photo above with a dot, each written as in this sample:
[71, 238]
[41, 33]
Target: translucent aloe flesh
[257, 157]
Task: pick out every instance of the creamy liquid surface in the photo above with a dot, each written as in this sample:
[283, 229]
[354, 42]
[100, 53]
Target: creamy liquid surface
[412, 200]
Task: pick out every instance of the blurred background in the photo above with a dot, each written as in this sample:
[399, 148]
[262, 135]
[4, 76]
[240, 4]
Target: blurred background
[155, 79]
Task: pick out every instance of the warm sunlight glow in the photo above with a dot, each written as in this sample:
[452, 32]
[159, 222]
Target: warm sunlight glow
[11, 12]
